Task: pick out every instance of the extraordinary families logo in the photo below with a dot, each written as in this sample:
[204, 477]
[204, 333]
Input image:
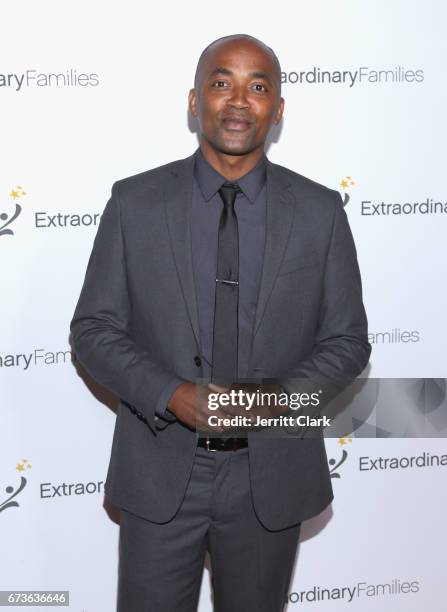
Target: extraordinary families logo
[11, 493]
[42, 219]
[12, 211]
[362, 75]
[19, 81]
[371, 208]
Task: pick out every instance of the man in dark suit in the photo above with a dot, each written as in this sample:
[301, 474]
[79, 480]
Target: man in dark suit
[206, 273]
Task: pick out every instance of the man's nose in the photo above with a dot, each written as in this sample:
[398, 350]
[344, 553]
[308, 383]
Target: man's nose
[238, 98]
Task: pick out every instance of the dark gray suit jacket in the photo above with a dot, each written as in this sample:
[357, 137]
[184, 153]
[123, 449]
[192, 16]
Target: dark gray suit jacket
[135, 328]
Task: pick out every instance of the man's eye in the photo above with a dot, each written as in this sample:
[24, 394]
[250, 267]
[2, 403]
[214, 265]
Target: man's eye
[219, 84]
[260, 87]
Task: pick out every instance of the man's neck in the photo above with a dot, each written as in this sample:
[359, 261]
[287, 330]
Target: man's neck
[232, 167]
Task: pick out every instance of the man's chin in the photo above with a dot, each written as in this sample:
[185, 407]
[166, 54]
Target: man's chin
[235, 148]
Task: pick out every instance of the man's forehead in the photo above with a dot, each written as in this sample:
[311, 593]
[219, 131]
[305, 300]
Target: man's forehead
[230, 54]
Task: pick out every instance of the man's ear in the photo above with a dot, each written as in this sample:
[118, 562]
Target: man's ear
[279, 111]
[192, 102]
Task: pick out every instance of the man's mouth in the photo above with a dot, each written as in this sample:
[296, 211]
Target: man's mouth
[237, 124]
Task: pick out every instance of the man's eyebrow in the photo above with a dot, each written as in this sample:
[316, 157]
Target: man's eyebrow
[254, 75]
[261, 75]
[220, 70]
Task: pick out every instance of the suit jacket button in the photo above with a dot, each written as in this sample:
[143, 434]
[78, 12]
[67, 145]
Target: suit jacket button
[197, 361]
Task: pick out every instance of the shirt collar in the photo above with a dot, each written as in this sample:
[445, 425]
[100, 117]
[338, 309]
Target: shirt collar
[210, 181]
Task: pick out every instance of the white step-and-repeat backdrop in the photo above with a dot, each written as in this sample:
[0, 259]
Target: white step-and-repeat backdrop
[94, 92]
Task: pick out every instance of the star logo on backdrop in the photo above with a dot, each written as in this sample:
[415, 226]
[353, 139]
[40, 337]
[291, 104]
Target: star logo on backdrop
[23, 465]
[6, 218]
[334, 464]
[11, 492]
[17, 192]
[345, 184]
[343, 441]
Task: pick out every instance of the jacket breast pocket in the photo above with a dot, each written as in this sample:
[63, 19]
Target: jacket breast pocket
[307, 260]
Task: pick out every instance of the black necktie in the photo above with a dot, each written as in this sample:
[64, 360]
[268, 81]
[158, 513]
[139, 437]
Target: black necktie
[225, 336]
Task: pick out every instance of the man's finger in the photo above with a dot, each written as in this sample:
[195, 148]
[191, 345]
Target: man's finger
[217, 388]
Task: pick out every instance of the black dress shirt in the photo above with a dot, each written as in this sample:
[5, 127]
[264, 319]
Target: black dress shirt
[206, 208]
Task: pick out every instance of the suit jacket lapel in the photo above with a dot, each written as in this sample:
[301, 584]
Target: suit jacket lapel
[178, 197]
[280, 211]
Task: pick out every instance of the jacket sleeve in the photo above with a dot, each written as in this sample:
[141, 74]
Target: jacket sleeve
[101, 323]
[341, 350]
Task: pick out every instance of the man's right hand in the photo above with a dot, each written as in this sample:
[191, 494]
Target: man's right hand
[189, 403]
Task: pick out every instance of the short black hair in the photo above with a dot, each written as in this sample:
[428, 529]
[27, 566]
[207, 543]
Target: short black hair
[235, 37]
